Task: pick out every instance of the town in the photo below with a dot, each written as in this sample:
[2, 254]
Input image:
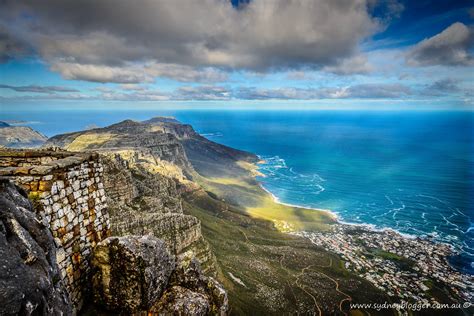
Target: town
[405, 268]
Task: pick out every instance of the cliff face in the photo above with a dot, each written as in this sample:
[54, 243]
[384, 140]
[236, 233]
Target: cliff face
[138, 276]
[148, 165]
[143, 201]
[127, 134]
[20, 136]
[30, 281]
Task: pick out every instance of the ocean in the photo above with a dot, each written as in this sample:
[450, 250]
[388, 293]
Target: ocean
[409, 171]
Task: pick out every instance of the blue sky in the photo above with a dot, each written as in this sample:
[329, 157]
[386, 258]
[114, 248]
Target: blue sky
[354, 53]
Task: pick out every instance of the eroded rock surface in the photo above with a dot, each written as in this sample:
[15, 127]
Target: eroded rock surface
[181, 301]
[30, 282]
[188, 274]
[131, 272]
[136, 275]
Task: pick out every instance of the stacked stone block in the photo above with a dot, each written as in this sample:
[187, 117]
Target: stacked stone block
[68, 193]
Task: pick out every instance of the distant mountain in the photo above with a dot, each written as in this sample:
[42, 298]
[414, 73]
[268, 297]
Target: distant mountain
[169, 139]
[20, 136]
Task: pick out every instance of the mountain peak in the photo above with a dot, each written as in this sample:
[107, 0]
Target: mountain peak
[162, 119]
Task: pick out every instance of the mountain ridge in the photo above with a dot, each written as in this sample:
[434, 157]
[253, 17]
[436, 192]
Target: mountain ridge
[20, 136]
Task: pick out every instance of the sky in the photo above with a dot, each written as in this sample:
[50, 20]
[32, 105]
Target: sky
[337, 53]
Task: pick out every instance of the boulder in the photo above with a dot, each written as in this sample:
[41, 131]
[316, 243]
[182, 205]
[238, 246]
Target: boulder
[130, 273]
[30, 281]
[181, 301]
[188, 274]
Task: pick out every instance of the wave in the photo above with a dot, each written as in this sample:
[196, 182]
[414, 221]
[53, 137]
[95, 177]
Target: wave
[20, 122]
[277, 200]
[276, 167]
[217, 134]
[389, 199]
[289, 181]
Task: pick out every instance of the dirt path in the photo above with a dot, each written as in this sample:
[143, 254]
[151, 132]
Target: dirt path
[348, 297]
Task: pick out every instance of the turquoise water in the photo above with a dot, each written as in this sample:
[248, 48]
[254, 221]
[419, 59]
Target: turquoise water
[410, 171]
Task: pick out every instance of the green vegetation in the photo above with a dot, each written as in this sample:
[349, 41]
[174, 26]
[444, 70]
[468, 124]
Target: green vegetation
[265, 270]
[268, 272]
[246, 193]
[35, 198]
[386, 255]
[402, 262]
[84, 141]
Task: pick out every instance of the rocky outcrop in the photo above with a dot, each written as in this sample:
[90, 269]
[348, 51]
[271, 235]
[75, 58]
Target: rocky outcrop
[145, 171]
[188, 275]
[181, 301]
[137, 276]
[144, 201]
[131, 272]
[30, 281]
[20, 137]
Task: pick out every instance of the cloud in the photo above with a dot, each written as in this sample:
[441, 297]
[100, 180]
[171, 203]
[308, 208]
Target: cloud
[132, 86]
[445, 87]
[141, 93]
[101, 73]
[186, 73]
[298, 75]
[387, 10]
[202, 93]
[450, 47]
[376, 91]
[252, 93]
[145, 95]
[362, 91]
[38, 89]
[213, 92]
[10, 47]
[122, 38]
[355, 65]
[187, 93]
[136, 73]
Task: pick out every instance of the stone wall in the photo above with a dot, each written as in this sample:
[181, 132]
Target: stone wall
[68, 194]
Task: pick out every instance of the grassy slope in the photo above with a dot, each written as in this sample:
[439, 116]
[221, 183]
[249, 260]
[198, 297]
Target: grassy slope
[280, 273]
[246, 193]
[265, 270]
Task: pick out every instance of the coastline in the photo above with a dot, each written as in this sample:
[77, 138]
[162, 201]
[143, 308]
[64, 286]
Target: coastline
[339, 221]
[458, 282]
